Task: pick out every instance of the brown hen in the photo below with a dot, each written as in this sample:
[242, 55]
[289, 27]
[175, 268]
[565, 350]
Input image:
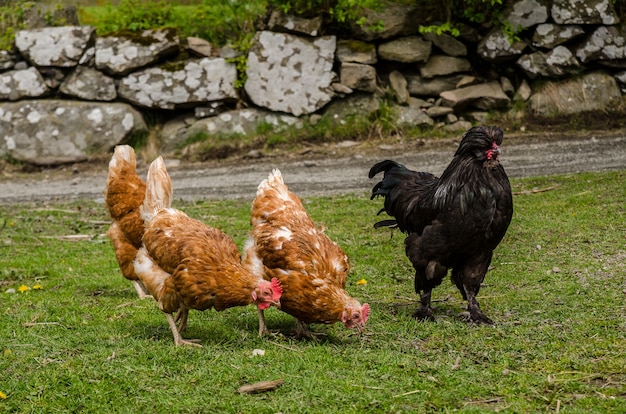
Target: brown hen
[312, 269]
[186, 264]
[123, 194]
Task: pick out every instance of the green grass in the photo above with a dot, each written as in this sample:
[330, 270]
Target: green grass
[85, 343]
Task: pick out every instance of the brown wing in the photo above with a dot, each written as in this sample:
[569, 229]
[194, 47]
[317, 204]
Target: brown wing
[204, 263]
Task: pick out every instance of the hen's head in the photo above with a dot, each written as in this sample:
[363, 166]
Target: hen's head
[481, 142]
[355, 316]
[267, 294]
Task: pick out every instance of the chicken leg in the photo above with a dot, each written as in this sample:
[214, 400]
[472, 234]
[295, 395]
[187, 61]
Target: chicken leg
[424, 312]
[178, 339]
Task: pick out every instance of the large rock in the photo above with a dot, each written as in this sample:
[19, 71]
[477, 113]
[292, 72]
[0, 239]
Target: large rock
[89, 84]
[441, 65]
[522, 14]
[446, 43]
[390, 21]
[550, 35]
[557, 62]
[237, 122]
[355, 51]
[419, 86]
[290, 73]
[358, 77]
[48, 132]
[593, 91]
[20, 84]
[54, 46]
[405, 49]
[196, 82]
[280, 22]
[583, 12]
[482, 96]
[605, 43]
[122, 53]
[497, 47]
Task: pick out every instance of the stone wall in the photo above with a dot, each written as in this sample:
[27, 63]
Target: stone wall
[67, 94]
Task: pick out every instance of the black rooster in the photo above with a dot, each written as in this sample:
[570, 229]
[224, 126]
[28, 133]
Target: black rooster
[453, 222]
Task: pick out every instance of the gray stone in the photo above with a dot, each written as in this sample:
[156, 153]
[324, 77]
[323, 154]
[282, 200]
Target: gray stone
[440, 65]
[199, 81]
[419, 86]
[405, 49]
[280, 22]
[483, 96]
[439, 111]
[54, 46]
[358, 77]
[199, 47]
[235, 122]
[7, 60]
[24, 83]
[89, 84]
[49, 132]
[446, 43]
[605, 43]
[390, 21]
[523, 91]
[411, 116]
[399, 86]
[497, 47]
[550, 35]
[290, 73]
[122, 53]
[583, 12]
[555, 63]
[355, 51]
[358, 104]
[523, 14]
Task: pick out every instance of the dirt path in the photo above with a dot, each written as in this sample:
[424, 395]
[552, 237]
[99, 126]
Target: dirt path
[345, 171]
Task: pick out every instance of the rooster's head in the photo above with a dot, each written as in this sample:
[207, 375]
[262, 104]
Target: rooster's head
[483, 142]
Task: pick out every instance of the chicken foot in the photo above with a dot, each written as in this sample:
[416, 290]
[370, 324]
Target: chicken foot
[424, 312]
[178, 339]
[476, 315]
[303, 332]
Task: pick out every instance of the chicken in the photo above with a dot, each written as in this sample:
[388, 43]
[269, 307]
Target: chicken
[312, 269]
[123, 195]
[452, 222]
[186, 264]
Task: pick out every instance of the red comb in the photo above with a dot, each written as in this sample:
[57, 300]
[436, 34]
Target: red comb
[277, 289]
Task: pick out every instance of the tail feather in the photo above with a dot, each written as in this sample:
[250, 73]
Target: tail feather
[158, 190]
[123, 162]
[402, 190]
[274, 182]
[123, 156]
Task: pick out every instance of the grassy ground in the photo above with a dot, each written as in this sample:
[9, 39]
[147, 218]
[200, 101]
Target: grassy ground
[78, 340]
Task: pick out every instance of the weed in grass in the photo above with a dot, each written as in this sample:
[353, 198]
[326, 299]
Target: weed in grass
[556, 292]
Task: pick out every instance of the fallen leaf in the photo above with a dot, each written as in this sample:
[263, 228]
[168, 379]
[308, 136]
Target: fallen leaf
[258, 387]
